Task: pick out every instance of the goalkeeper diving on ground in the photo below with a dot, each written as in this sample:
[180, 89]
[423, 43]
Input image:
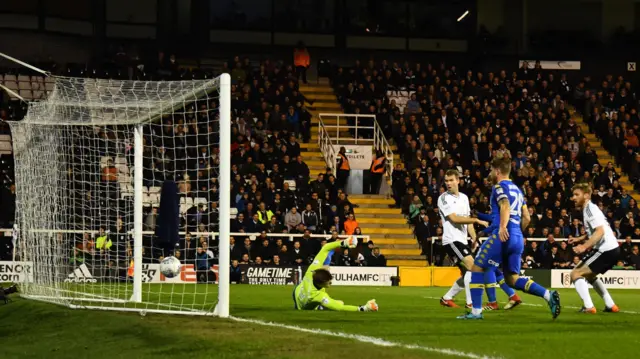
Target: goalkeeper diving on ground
[310, 293]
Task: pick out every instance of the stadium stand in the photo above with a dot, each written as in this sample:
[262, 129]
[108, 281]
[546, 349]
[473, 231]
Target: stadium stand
[558, 133]
[441, 119]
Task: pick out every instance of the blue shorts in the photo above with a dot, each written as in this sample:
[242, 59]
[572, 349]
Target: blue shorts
[497, 254]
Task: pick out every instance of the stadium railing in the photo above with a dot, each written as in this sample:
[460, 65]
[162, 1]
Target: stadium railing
[435, 239]
[379, 141]
[213, 235]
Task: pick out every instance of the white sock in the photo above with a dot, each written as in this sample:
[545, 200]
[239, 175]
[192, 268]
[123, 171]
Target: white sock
[583, 291]
[603, 292]
[454, 290]
[475, 311]
[547, 295]
[467, 287]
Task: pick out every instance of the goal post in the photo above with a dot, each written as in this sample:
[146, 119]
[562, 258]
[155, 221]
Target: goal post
[89, 163]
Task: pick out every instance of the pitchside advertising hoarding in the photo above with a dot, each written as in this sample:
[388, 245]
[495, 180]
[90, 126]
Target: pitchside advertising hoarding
[614, 279]
[15, 272]
[251, 274]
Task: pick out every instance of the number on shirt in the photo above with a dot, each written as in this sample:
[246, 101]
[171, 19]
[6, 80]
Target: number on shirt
[516, 206]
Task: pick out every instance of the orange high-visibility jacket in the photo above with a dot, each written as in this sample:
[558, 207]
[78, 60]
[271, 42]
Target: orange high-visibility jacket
[301, 58]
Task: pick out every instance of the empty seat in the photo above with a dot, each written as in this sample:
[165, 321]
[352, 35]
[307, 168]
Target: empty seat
[24, 78]
[146, 200]
[184, 208]
[200, 200]
[233, 212]
[155, 190]
[10, 78]
[126, 187]
[26, 94]
[39, 95]
[24, 85]
[120, 161]
[11, 85]
[186, 200]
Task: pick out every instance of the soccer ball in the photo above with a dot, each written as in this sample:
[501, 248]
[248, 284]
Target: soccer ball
[170, 267]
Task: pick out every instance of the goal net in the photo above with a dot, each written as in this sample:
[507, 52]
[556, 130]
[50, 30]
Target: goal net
[90, 162]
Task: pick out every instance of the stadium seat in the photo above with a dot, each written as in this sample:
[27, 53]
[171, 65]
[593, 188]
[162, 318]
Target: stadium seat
[146, 200]
[200, 200]
[233, 212]
[155, 190]
[10, 78]
[26, 94]
[186, 200]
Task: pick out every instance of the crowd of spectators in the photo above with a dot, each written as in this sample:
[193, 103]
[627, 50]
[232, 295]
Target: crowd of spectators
[273, 191]
[463, 119]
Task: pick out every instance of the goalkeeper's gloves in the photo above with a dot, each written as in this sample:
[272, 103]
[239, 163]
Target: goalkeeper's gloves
[350, 242]
[371, 306]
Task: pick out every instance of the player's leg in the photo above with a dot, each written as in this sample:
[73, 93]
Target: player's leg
[490, 282]
[579, 277]
[487, 258]
[460, 254]
[609, 305]
[514, 299]
[587, 271]
[513, 279]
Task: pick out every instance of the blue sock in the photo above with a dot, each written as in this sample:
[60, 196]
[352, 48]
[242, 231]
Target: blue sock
[477, 287]
[503, 285]
[531, 287]
[490, 283]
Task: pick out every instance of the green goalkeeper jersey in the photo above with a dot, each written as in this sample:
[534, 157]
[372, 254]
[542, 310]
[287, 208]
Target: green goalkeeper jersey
[307, 297]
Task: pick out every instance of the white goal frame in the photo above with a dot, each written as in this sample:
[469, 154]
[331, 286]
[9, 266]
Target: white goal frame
[58, 296]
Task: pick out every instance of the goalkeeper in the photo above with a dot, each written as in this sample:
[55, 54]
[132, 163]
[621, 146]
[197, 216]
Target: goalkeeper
[310, 294]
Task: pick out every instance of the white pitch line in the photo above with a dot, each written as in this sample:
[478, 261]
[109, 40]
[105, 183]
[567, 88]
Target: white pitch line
[540, 305]
[367, 339]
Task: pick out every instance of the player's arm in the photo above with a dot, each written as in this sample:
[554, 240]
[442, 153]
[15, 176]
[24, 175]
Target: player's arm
[505, 214]
[577, 240]
[484, 217]
[526, 218]
[318, 261]
[597, 235]
[465, 220]
[339, 306]
[447, 210]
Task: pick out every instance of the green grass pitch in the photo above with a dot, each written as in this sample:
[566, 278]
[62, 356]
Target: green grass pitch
[410, 324]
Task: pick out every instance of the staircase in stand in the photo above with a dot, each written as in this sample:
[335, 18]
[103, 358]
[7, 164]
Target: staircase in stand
[386, 226]
[604, 157]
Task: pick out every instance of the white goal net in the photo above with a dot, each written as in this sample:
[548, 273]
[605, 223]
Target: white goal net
[90, 163]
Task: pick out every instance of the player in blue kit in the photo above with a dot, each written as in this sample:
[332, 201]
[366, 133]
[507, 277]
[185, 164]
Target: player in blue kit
[495, 278]
[505, 245]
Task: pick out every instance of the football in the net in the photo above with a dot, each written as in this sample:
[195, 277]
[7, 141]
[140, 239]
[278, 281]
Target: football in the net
[170, 267]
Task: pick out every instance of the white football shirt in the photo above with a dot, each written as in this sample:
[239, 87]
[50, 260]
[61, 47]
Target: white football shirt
[594, 218]
[448, 204]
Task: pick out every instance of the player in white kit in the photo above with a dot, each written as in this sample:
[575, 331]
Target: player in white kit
[457, 227]
[605, 251]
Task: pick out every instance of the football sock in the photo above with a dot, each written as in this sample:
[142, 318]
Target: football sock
[456, 288]
[503, 285]
[476, 288]
[490, 285]
[531, 287]
[603, 292]
[467, 288]
[583, 291]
